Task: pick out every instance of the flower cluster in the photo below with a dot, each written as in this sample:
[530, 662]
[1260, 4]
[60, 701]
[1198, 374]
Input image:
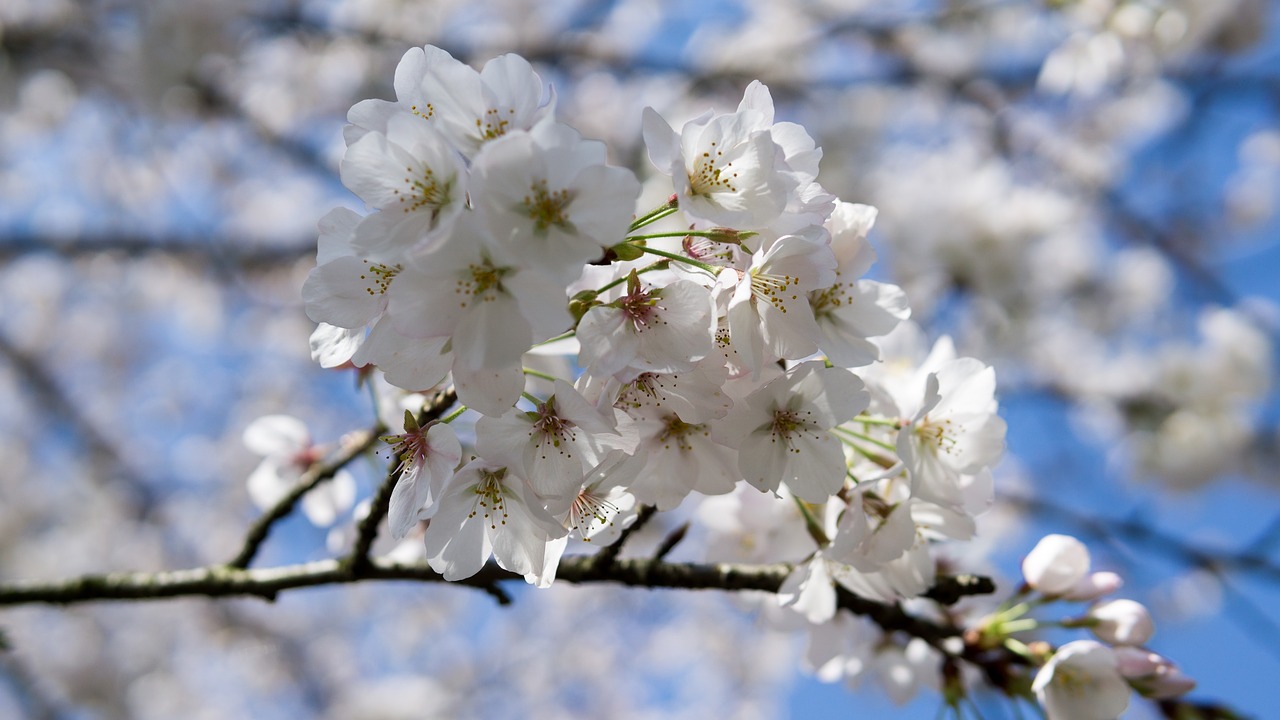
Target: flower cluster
[726, 338]
[1083, 678]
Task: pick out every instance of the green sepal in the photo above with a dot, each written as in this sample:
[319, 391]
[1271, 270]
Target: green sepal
[625, 251]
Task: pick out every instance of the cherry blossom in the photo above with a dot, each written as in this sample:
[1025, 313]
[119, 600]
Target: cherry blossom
[427, 456]
[782, 431]
[489, 510]
[1080, 681]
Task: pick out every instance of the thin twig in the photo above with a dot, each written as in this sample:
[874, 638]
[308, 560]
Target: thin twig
[608, 554]
[314, 475]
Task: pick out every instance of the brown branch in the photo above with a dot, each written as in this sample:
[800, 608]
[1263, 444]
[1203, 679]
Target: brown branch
[226, 581]
[242, 254]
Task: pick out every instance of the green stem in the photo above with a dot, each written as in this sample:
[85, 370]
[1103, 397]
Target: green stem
[608, 286]
[713, 234]
[539, 374]
[865, 438]
[887, 422]
[681, 258]
[1022, 625]
[453, 415]
[811, 524]
[654, 215]
[562, 336]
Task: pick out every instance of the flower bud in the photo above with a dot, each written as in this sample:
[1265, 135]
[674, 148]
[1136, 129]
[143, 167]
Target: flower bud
[1081, 680]
[1094, 586]
[1152, 675]
[625, 251]
[1122, 622]
[1056, 564]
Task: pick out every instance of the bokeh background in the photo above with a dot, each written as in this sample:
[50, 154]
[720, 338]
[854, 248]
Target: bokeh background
[1081, 192]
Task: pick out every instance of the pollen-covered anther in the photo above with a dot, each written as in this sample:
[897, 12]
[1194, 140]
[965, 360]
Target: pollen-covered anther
[478, 281]
[547, 208]
[493, 124]
[589, 509]
[379, 277]
[938, 435]
[641, 309]
[423, 191]
[773, 289]
[490, 497]
[830, 299]
[711, 174]
[678, 431]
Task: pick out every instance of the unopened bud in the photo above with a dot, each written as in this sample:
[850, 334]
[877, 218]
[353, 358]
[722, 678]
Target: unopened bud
[1122, 622]
[623, 252]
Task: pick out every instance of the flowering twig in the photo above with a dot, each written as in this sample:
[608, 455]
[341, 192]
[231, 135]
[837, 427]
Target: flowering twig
[357, 445]
[367, 529]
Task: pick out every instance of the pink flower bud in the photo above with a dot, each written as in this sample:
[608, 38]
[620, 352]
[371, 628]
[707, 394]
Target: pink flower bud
[1151, 674]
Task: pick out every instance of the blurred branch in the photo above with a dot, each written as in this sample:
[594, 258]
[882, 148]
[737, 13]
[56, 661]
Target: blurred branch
[107, 465]
[1132, 529]
[193, 250]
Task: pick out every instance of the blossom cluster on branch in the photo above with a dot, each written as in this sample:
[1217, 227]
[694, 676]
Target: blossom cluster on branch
[726, 343]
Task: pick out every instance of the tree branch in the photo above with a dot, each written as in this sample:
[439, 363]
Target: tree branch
[226, 581]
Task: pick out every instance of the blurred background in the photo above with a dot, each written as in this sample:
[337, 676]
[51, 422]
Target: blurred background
[1082, 193]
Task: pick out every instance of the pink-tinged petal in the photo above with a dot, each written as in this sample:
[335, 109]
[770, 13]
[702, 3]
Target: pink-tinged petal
[418, 309]
[373, 168]
[608, 343]
[348, 292]
[328, 500]
[809, 591]
[816, 469]
[271, 481]
[493, 335]
[489, 392]
[762, 460]
[409, 363]
[332, 346]
[336, 230]
[276, 435]
[661, 141]
[366, 116]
